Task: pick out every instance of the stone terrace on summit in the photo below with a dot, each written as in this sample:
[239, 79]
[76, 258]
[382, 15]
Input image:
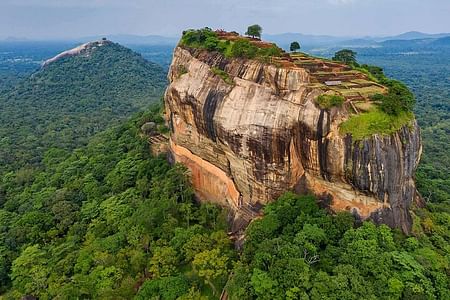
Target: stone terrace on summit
[355, 86]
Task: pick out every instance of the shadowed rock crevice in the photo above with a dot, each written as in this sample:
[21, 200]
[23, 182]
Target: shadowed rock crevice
[209, 109]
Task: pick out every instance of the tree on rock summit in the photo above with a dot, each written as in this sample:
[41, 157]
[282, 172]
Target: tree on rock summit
[254, 31]
[295, 46]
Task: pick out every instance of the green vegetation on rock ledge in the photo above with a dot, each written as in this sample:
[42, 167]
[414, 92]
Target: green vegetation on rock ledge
[328, 101]
[367, 124]
[222, 74]
[392, 111]
[240, 48]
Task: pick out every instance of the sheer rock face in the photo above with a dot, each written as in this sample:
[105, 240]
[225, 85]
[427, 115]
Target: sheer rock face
[247, 143]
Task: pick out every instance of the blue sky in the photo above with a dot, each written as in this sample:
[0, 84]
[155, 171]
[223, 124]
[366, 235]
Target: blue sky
[50, 19]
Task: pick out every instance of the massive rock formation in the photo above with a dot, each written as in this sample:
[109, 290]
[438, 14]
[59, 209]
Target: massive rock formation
[248, 142]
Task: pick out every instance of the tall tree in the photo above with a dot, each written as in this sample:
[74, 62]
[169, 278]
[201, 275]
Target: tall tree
[294, 46]
[254, 31]
[211, 265]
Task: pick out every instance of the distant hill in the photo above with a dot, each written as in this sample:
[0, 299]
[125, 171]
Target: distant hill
[415, 35]
[285, 39]
[417, 44]
[407, 43]
[72, 98]
[308, 40]
[130, 39]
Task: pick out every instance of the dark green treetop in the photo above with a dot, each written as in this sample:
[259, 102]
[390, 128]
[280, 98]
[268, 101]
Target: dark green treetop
[346, 56]
[294, 46]
[254, 31]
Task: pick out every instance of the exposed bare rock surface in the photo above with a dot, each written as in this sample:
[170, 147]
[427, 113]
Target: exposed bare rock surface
[247, 143]
[80, 50]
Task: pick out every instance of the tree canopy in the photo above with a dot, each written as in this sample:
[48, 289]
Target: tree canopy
[346, 56]
[295, 46]
[298, 251]
[110, 221]
[254, 31]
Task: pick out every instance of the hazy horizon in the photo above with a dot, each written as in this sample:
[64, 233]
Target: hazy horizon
[176, 36]
[72, 19]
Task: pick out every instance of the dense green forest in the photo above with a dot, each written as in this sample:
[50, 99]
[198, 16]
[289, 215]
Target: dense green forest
[112, 222]
[66, 102]
[89, 213]
[20, 59]
[298, 251]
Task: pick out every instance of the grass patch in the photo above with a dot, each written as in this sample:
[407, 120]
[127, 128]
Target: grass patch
[364, 106]
[364, 125]
[328, 101]
[224, 75]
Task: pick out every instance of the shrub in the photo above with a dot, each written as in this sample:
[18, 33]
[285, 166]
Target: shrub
[328, 101]
[294, 46]
[211, 43]
[254, 31]
[207, 39]
[201, 38]
[224, 75]
[346, 56]
[243, 48]
[181, 69]
[399, 98]
[390, 105]
[375, 71]
[402, 94]
[271, 51]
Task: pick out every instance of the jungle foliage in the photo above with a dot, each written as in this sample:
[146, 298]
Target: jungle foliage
[299, 251]
[68, 101]
[109, 221]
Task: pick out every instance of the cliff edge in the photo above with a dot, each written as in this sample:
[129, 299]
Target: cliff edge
[251, 129]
